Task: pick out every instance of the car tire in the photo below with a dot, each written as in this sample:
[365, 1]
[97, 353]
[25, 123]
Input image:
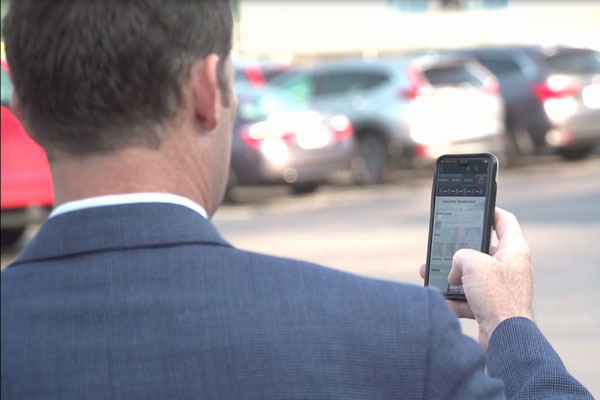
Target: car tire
[299, 189]
[370, 160]
[232, 181]
[229, 196]
[11, 236]
[576, 153]
[518, 144]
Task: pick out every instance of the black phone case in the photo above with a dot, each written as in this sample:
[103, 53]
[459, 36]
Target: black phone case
[490, 205]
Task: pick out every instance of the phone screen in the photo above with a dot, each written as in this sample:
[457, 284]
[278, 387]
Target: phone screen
[459, 217]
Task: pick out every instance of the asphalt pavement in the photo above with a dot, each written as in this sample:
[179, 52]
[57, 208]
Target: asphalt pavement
[381, 232]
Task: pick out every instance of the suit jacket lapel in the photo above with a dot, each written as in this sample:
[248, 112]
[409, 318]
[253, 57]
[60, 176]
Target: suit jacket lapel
[119, 227]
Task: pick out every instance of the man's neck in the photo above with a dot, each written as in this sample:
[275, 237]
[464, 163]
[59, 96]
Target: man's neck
[131, 170]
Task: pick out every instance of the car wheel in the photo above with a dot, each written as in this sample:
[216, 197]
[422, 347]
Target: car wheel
[369, 162]
[304, 188]
[229, 196]
[518, 144]
[576, 153]
[11, 236]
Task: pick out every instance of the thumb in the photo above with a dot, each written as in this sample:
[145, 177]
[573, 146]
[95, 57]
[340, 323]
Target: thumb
[463, 262]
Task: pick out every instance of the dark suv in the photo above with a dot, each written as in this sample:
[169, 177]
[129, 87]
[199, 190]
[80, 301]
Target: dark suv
[552, 96]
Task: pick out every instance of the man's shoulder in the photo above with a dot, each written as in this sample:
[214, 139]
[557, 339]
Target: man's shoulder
[212, 303]
[331, 283]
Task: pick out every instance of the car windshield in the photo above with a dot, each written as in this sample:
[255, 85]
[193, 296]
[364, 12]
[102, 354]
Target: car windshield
[256, 104]
[6, 89]
[451, 76]
[574, 62]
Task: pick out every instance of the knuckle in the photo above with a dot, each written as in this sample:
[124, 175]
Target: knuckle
[526, 250]
[527, 257]
[510, 215]
[460, 252]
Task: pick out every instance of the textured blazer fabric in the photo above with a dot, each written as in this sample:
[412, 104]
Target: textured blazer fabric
[147, 301]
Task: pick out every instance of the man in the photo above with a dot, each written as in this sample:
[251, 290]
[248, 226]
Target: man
[127, 291]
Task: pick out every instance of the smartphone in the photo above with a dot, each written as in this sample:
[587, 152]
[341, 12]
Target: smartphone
[463, 200]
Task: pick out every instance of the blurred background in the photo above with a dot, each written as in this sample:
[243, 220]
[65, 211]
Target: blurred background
[344, 106]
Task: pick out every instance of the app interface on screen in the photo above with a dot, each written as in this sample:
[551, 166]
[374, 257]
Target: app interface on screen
[458, 217]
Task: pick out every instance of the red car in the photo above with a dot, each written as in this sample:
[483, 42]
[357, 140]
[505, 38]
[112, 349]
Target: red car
[26, 192]
[258, 73]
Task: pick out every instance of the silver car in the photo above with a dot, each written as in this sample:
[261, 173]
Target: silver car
[277, 140]
[406, 111]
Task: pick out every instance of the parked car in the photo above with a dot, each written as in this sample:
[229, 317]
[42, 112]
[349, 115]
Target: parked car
[27, 193]
[552, 96]
[277, 140]
[407, 110]
[258, 73]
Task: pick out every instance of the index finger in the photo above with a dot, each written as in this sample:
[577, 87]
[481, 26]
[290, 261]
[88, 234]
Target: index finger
[507, 229]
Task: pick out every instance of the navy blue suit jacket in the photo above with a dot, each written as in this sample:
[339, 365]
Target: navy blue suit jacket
[147, 301]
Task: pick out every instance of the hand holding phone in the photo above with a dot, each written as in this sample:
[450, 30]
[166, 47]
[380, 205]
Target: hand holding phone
[462, 214]
[497, 286]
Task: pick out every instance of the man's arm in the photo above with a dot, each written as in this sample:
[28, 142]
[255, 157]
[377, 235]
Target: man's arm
[456, 363]
[519, 354]
[521, 363]
[498, 288]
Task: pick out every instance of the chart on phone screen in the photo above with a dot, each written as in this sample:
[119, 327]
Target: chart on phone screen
[458, 224]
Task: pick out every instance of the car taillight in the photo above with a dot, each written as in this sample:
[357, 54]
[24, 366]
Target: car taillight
[289, 138]
[255, 76]
[306, 130]
[340, 127]
[491, 86]
[255, 134]
[558, 95]
[417, 85]
[250, 141]
[555, 89]
[421, 151]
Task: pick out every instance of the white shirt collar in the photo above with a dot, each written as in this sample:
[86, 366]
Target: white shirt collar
[130, 198]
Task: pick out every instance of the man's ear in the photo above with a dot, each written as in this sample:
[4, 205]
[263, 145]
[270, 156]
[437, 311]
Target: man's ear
[205, 93]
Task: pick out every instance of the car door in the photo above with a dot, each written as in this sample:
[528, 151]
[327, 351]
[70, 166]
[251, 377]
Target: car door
[518, 76]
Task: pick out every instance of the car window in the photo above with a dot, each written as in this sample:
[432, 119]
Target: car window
[272, 73]
[502, 67]
[6, 89]
[347, 84]
[451, 76]
[255, 105]
[573, 62]
[240, 75]
[298, 86]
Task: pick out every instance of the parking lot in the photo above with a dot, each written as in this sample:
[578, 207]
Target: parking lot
[333, 135]
[381, 231]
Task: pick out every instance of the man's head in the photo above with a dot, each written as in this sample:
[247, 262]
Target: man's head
[95, 77]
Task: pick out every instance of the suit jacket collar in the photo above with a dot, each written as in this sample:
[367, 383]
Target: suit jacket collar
[119, 227]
